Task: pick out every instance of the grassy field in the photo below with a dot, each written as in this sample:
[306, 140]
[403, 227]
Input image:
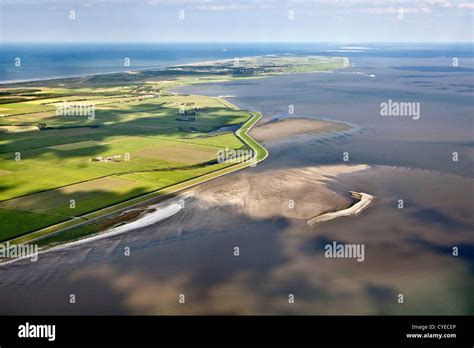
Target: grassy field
[124, 137]
[128, 149]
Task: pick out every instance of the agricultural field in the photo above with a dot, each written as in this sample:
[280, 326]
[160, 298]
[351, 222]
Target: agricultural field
[59, 167]
[74, 146]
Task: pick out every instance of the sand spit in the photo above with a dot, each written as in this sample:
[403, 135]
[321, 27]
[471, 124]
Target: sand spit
[295, 126]
[161, 212]
[364, 201]
[299, 193]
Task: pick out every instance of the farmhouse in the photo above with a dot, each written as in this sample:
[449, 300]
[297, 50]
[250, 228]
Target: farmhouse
[188, 111]
[117, 158]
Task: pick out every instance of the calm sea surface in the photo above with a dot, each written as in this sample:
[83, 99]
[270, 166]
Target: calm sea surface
[42, 61]
[408, 251]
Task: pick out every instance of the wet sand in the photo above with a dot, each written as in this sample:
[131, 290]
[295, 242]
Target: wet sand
[192, 253]
[292, 193]
[408, 250]
[364, 201]
[295, 126]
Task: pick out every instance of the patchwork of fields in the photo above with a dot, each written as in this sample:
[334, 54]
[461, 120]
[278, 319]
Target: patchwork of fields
[63, 166]
[75, 146]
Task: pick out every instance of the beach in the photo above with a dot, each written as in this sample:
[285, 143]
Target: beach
[263, 211]
[364, 200]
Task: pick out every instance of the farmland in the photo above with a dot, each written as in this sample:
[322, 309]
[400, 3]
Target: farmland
[43, 170]
[133, 138]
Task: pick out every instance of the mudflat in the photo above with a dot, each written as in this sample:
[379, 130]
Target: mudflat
[298, 193]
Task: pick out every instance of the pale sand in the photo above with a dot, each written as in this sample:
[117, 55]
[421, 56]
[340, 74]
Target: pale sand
[300, 193]
[162, 212]
[294, 126]
[364, 201]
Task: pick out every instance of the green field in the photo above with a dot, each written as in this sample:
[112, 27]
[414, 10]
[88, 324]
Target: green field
[58, 167]
[143, 140]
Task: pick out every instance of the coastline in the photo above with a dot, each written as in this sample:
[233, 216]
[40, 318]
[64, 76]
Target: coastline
[156, 68]
[242, 133]
[56, 78]
[162, 212]
[261, 154]
[265, 212]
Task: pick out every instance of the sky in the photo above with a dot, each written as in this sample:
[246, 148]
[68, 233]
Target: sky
[236, 21]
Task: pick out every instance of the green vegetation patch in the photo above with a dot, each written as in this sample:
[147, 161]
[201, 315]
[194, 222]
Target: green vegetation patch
[141, 139]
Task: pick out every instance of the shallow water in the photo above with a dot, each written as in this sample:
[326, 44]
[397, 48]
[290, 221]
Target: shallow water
[351, 95]
[407, 251]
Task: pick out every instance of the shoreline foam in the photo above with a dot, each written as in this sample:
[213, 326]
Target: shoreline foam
[364, 201]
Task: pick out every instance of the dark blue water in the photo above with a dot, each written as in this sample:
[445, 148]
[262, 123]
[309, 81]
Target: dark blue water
[43, 61]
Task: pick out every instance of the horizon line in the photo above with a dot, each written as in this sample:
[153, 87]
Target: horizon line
[237, 42]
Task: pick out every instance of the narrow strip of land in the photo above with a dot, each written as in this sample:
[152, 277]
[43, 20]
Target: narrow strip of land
[364, 201]
[260, 154]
